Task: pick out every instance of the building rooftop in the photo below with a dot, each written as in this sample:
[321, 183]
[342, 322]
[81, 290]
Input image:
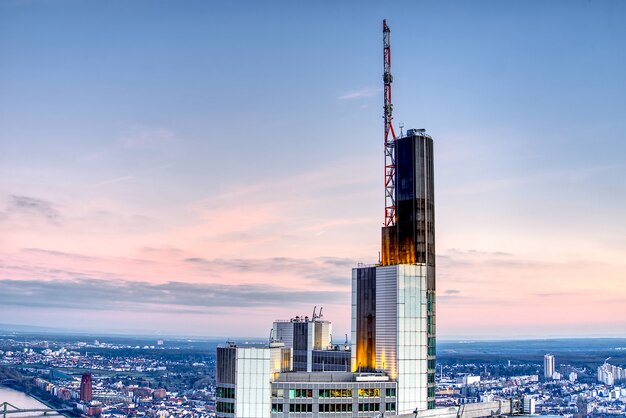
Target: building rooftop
[331, 377]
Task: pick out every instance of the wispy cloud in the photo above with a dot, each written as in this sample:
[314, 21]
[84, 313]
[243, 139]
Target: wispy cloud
[147, 137]
[31, 206]
[114, 180]
[361, 94]
[58, 254]
[332, 270]
[142, 296]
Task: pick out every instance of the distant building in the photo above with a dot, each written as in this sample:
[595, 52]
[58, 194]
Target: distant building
[86, 388]
[548, 366]
[159, 394]
[609, 374]
[468, 380]
[94, 409]
[573, 376]
[528, 405]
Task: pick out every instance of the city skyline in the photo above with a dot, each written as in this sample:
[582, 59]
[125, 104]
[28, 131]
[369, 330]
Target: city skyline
[203, 169]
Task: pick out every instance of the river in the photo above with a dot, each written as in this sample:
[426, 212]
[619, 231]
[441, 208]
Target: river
[22, 401]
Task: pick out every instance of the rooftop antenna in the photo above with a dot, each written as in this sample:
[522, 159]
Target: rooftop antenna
[390, 162]
[401, 129]
[320, 315]
[314, 309]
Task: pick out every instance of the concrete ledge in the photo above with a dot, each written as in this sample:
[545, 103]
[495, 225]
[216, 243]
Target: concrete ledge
[472, 410]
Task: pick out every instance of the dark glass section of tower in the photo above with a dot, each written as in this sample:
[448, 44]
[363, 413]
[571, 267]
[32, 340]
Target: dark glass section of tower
[366, 318]
[300, 345]
[226, 365]
[412, 239]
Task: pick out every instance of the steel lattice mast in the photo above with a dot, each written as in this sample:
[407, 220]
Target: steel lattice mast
[390, 163]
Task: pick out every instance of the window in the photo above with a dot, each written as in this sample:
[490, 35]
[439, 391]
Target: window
[431, 392]
[391, 392]
[369, 393]
[390, 406]
[369, 407]
[277, 407]
[335, 407]
[335, 393]
[300, 393]
[431, 377]
[278, 393]
[225, 407]
[300, 407]
[228, 393]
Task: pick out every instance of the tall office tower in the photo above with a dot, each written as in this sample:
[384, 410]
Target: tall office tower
[85, 388]
[548, 366]
[393, 304]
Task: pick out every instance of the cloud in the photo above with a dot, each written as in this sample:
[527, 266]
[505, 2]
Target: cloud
[58, 254]
[115, 180]
[452, 252]
[333, 270]
[146, 137]
[133, 296]
[360, 94]
[33, 207]
[452, 292]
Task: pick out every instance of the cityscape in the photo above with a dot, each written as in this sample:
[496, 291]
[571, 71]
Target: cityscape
[196, 282]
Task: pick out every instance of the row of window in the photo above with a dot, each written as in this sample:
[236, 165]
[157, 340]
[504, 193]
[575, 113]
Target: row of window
[331, 407]
[339, 407]
[323, 393]
[225, 393]
[225, 407]
[369, 407]
[300, 393]
[335, 393]
[369, 393]
[300, 407]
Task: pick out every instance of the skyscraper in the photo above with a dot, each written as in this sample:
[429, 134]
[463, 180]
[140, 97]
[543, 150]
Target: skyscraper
[85, 387]
[548, 366]
[393, 304]
[393, 313]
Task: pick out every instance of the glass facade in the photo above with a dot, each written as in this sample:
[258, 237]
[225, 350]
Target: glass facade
[412, 239]
[364, 319]
[243, 380]
[331, 361]
[401, 332]
[347, 398]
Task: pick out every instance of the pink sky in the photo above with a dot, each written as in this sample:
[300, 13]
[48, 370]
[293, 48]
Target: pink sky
[207, 168]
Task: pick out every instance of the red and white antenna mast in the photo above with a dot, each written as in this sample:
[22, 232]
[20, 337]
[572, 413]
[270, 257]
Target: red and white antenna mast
[390, 162]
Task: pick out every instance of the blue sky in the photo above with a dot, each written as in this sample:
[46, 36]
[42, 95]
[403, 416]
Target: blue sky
[250, 132]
